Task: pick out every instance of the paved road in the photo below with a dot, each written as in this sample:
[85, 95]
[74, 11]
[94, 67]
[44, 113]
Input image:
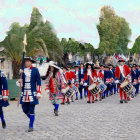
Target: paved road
[106, 120]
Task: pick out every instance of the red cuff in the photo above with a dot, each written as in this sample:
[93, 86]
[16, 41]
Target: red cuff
[39, 89]
[5, 93]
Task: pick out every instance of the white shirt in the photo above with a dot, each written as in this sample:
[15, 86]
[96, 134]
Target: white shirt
[81, 71]
[121, 69]
[89, 72]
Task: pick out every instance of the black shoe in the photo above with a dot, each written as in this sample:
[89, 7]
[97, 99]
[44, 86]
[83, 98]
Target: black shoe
[68, 102]
[72, 101]
[81, 97]
[96, 99]
[56, 112]
[100, 99]
[93, 102]
[88, 102]
[76, 99]
[3, 125]
[30, 129]
[125, 101]
[106, 95]
[62, 103]
[121, 101]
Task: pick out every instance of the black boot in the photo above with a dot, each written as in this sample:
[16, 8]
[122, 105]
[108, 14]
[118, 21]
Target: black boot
[88, 102]
[121, 101]
[56, 112]
[3, 125]
[30, 129]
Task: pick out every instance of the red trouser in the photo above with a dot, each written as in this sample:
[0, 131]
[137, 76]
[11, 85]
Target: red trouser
[89, 96]
[122, 93]
[64, 99]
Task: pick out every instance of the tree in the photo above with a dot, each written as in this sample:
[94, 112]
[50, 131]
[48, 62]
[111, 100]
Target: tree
[114, 32]
[136, 46]
[41, 39]
[42, 36]
[75, 47]
[13, 45]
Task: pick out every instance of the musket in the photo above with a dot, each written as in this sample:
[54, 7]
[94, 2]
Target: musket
[22, 66]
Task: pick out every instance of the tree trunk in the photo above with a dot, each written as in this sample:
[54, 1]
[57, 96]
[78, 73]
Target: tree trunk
[16, 68]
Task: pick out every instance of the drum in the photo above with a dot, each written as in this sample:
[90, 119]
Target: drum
[102, 87]
[132, 91]
[69, 92]
[127, 87]
[75, 88]
[94, 89]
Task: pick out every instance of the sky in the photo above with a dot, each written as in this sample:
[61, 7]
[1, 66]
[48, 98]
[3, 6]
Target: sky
[70, 18]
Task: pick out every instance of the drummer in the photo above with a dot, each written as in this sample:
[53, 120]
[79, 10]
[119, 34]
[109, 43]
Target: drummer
[122, 73]
[66, 76]
[100, 77]
[90, 78]
[71, 78]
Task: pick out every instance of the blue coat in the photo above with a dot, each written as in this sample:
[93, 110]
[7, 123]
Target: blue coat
[31, 84]
[135, 75]
[108, 75]
[113, 73]
[81, 75]
[3, 89]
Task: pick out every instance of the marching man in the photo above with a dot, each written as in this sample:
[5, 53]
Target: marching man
[122, 73]
[31, 90]
[135, 76]
[90, 78]
[100, 77]
[54, 85]
[67, 81]
[4, 93]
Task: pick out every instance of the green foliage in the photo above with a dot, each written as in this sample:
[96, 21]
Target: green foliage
[76, 47]
[114, 32]
[41, 40]
[13, 42]
[136, 46]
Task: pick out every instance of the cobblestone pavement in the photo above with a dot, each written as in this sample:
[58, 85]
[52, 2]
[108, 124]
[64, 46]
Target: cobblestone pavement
[106, 120]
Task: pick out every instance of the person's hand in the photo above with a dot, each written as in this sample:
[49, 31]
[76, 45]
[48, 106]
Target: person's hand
[20, 81]
[37, 97]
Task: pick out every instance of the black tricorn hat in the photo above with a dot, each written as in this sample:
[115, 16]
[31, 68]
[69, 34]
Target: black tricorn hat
[121, 60]
[64, 67]
[29, 58]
